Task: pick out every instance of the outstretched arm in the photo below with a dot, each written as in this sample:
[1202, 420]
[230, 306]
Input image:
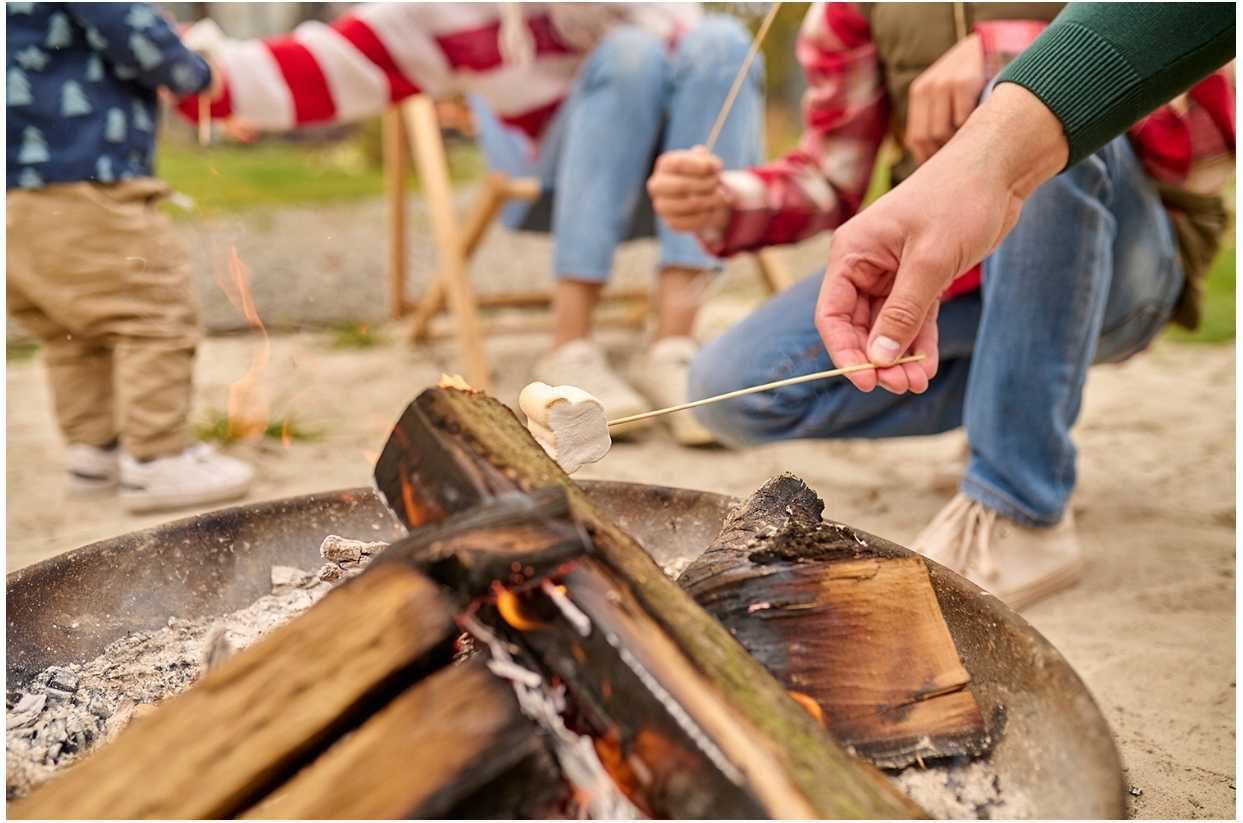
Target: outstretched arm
[888, 265]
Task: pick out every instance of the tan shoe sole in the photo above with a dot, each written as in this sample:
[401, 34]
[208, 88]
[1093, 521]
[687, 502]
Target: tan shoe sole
[1047, 586]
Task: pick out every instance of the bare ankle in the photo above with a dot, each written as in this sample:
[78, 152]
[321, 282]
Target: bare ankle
[679, 294]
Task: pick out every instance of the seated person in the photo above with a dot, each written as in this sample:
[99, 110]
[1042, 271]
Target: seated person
[1129, 232]
[583, 96]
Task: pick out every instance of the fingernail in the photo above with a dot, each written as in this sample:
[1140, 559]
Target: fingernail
[883, 350]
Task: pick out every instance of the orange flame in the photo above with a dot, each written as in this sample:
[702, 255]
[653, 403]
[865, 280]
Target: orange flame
[413, 513]
[809, 705]
[286, 437]
[510, 607]
[248, 400]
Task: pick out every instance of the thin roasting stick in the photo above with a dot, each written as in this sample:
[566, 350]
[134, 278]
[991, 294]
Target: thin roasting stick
[776, 384]
[723, 115]
[204, 120]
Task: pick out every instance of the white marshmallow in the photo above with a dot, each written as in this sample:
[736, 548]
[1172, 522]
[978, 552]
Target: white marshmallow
[568, 422]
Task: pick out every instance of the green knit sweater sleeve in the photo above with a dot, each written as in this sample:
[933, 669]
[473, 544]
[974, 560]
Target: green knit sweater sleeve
[1100, 67]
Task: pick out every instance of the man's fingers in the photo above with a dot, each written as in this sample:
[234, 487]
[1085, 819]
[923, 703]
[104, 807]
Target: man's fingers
[687, 206]
[841, 316]
[901, 318]
[964, 103]
[940, 119]
[677, 185]
[697, 163]
[917, 124]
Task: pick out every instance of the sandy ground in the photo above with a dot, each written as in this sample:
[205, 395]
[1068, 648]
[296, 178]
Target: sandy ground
[1151, 629]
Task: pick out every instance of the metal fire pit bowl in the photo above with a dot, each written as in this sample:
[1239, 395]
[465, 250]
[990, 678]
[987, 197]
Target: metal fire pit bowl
[1055, 757]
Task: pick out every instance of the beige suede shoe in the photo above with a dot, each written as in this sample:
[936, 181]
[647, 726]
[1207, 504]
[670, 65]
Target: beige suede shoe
[661, 376]
[1017, 564]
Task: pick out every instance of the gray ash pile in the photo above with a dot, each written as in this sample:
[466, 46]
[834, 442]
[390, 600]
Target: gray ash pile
[65, 711]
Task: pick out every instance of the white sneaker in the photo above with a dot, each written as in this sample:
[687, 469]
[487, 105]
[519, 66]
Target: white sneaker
[661, 376]
[195, 477]
[1018, 564]
[582, 363]
[93, 470]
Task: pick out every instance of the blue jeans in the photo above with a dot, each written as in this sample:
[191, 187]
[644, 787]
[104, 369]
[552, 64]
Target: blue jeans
[633, 100]
[1090, 274]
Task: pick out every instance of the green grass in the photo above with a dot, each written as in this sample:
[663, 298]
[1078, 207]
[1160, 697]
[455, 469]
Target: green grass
[1217, 325]
[215, 427]
[356, 336]
[226, 178]
[20, 352]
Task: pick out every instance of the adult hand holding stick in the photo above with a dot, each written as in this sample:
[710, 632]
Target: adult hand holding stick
[889, 265]
[1090, 76]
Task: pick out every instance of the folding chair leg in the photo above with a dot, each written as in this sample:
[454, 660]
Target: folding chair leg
[774, 272]
[396, 165]
[424, 132]
[480, 219]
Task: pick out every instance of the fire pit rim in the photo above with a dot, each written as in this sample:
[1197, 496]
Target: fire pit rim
[235, 546]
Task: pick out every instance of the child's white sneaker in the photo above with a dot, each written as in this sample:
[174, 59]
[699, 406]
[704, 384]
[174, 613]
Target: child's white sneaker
[195, 477]
[93, 470]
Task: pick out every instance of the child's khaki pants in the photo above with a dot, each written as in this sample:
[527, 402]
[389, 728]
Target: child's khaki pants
[96, 273]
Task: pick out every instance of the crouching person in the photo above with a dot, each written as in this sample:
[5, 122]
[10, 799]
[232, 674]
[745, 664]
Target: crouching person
[94, 270]
[1102, 258]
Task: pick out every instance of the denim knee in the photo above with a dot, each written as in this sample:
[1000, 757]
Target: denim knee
[717, 45]
[746, 420]
[629, 58]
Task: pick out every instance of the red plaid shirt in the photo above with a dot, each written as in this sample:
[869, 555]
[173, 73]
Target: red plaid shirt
[821, 184]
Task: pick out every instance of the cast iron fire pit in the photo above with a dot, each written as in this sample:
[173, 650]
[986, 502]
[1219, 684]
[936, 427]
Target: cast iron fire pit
[1055, 749]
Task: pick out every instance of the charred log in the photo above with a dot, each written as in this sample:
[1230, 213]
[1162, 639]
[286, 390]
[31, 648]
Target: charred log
[440, 749]
[712, 703]
[855, 629]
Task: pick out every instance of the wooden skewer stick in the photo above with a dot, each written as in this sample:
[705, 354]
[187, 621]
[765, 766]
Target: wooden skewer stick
[204, 120]
[776, 384]
[723, 115]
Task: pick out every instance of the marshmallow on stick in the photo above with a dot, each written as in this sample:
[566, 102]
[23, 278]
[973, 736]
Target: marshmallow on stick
[568, 422]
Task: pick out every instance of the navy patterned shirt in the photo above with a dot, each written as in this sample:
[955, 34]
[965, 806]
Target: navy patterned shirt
[80, 91]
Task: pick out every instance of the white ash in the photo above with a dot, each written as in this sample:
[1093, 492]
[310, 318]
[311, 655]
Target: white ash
[65, 711]
[960, 790]
[675, 567]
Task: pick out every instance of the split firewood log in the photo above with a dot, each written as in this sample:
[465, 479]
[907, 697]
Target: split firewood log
[215, 749]
[663, 684]
[854, 629]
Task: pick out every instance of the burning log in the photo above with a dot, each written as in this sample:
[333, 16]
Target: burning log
[854, 629]
[689, 722]
[249, 724]
[453, 745]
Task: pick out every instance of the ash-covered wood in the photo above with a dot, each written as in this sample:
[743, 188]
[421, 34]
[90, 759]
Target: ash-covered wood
[215, 749]
[707, 700]
[857, 630]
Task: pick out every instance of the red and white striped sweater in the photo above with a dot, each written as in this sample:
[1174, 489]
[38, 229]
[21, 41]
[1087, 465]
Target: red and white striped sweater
[521, 58]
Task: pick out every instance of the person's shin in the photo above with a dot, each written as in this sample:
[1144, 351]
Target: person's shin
[573, 306]
[1044, 295]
